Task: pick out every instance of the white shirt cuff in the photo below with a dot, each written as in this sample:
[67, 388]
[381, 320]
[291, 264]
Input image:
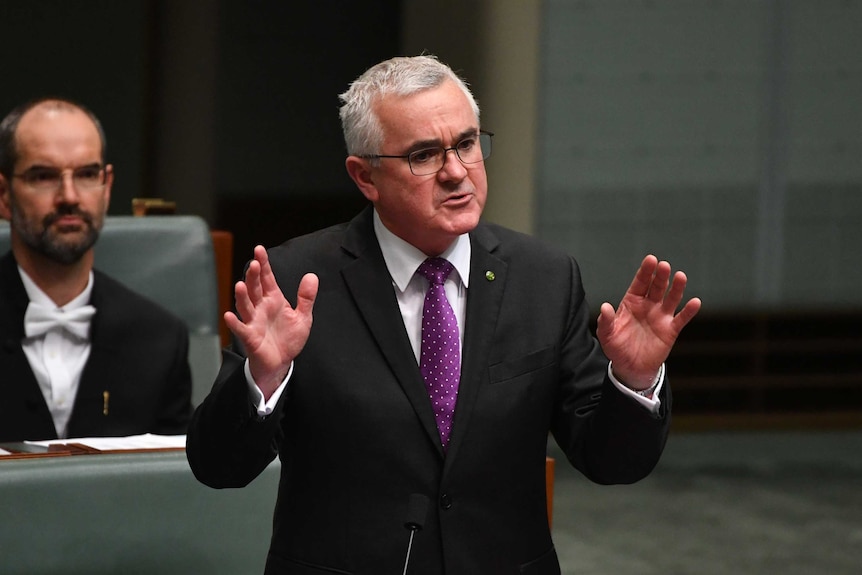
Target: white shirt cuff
[264, 408]
[651, 403]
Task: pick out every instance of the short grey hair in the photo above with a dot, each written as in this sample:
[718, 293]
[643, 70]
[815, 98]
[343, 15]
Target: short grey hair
[402, 76]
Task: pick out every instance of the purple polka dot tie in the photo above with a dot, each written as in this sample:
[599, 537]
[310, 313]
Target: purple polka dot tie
[440, 359]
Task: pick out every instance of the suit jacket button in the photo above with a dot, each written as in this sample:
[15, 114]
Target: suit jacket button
[445, 501]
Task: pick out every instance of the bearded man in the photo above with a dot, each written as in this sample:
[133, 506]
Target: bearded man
[81, 355]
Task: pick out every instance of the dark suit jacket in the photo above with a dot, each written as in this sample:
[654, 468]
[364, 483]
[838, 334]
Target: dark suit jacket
[356, 434]
[139, 355]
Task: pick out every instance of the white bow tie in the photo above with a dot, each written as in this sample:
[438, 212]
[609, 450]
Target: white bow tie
[39, 319]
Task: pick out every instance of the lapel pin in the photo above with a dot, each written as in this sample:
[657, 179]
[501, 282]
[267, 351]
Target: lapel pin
[489, 275]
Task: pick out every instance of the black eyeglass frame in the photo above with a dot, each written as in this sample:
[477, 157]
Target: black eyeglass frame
[485, 154]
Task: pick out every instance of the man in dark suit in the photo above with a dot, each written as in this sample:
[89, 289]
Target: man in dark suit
[81, 355]
[368, 438]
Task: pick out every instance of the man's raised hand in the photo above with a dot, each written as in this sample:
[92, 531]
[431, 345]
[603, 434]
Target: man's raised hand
[637, 337]
[271, 330]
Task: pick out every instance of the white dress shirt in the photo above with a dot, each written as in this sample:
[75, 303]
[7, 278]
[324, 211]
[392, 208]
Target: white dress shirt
[57, 358]
[402, 261]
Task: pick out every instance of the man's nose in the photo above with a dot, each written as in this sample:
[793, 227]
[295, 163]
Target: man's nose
[453, 168]
[68, 192]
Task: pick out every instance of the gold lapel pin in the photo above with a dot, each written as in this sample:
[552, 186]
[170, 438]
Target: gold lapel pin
[489, 275]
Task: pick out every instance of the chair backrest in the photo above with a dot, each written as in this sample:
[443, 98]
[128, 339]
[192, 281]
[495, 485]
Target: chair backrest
[135, 514]
[170, 260]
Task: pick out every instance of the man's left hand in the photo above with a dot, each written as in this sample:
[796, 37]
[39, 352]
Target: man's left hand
[637, 337]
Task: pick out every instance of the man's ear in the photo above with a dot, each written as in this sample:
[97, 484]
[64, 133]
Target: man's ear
[359, 170]
[5, 199]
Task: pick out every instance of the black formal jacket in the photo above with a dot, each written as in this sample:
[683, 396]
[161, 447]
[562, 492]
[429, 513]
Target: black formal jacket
[356, 435]
[139, 355]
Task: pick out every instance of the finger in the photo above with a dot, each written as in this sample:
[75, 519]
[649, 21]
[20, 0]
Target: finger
[686, 314]
[674, 295]
[643, 278]
[267, 278]
[242, 302]
[660, 281]
[307, 293]
[252, 281]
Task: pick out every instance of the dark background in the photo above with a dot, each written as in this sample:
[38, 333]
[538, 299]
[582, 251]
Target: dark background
[228, 108]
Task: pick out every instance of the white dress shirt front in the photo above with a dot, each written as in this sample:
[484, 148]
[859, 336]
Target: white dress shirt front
[57, 358]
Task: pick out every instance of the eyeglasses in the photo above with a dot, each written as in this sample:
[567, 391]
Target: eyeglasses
[50, 180]
[427, 161]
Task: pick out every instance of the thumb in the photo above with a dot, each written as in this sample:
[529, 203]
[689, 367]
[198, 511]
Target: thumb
[605, 322]
[307, 293]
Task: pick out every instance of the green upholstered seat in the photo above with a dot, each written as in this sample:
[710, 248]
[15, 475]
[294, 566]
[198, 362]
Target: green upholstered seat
[130, 514]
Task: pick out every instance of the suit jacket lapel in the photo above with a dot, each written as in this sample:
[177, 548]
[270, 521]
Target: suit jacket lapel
[15, 296]
[487, 281]
[24, 403]
[370, 285]
[104, 355]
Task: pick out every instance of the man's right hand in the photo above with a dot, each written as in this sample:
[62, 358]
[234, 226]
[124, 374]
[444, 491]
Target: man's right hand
[272, 332]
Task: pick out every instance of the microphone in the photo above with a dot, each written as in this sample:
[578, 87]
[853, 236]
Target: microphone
[417, 511]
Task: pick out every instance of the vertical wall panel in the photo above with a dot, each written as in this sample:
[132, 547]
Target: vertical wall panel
[699, 130]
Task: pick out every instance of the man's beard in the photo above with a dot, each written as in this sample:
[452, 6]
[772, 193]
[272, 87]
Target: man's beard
[50, 243]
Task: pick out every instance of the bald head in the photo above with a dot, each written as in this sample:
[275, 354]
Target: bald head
[9, 145]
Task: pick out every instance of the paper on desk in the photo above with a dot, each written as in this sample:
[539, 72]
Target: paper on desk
[146, 441]
[4, 452]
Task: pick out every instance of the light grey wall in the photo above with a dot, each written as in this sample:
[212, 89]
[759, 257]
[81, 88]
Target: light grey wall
[723, 136]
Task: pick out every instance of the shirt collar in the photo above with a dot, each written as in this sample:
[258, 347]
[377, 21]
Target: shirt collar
[36, 295]
[403, 259]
